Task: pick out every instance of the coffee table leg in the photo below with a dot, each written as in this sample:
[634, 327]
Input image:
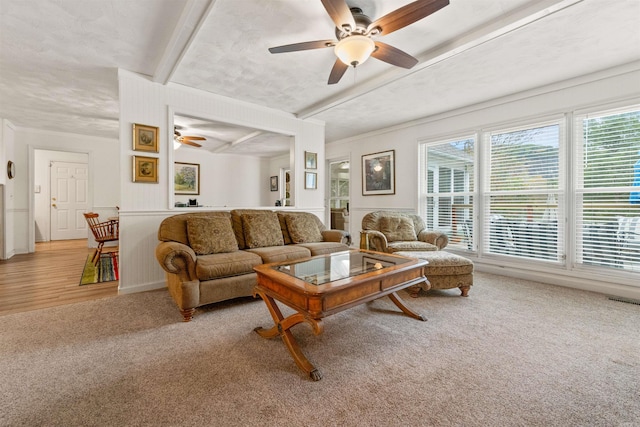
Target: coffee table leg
[282, 326]
[406, 310]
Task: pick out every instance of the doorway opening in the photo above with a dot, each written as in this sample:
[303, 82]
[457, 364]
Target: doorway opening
[339, 173]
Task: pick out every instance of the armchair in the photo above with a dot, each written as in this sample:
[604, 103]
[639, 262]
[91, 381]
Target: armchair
[388, 231]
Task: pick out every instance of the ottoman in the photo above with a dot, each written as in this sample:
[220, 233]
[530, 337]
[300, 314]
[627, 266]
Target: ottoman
[444, 271]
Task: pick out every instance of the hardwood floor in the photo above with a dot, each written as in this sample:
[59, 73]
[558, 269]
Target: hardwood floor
[48, 277]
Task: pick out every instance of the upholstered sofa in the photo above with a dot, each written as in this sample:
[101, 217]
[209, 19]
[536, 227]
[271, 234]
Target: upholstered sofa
[209, 256]
[388, 231]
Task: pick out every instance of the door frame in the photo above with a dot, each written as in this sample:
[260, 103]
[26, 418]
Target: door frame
[31, 184]
[327, 197]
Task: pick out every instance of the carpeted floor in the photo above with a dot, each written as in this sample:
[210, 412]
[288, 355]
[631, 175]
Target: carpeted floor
[106, 270]
[514, 353]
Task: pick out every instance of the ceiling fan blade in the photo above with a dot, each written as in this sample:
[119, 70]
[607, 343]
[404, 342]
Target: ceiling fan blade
[340, 13]
[337, 72]
[187, 142]
[194, 138]
[318, 44]
[407, 15]
[393, 56]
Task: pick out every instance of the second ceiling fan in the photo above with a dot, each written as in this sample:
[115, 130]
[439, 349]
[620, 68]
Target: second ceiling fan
[186, 139]
[355, 31]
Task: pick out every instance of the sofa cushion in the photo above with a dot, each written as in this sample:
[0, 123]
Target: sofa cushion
[397, 228]
[261, 230]
[303, 229]
[215, 266]
[281, 253]
[323, 248]
[211, 235]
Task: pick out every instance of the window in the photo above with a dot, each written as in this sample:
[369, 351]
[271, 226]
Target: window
[572, 202]
[608, 189]
[447, 189]
[523, 195]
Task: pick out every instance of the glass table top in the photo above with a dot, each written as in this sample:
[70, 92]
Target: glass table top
[339, 265]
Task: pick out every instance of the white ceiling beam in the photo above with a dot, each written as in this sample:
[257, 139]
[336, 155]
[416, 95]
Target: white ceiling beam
[193, 16]
[533, 12]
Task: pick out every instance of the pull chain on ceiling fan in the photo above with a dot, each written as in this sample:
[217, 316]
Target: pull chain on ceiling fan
[355, 31]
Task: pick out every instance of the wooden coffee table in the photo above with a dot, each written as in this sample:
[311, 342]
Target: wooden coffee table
[320, 286]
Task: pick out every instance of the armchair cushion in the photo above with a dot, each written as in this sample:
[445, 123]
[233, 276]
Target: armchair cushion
[211, 235]
[397, 228]
[303, 229]
[261, 230]
[410, 246]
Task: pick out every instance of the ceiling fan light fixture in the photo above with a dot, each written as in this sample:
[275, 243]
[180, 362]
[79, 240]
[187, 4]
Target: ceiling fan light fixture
[354, 50]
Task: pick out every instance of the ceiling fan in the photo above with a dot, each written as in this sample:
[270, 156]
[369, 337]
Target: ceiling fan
[186, 139]
[355, 32]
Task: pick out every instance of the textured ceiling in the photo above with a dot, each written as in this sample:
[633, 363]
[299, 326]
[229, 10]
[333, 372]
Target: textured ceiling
[59, 59]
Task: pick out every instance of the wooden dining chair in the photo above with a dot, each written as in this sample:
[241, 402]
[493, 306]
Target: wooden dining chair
[106, 231]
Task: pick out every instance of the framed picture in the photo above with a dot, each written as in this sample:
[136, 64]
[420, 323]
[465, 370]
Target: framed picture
[145, 169]
[186, 178]
[145, 138]
[310, 180]
[310, 160]
[274, 183]
[379, 173]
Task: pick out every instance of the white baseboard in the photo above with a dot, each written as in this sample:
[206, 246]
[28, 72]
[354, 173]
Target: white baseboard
[592, 285]
[142, 288]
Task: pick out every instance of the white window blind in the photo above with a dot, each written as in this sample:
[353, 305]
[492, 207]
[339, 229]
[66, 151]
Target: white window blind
[608, 189]
[447, 189]
[523, 194]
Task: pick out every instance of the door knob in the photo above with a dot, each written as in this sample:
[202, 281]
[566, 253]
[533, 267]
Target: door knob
[54, 205]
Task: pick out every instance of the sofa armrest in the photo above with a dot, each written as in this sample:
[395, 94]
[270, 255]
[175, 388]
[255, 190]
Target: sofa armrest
[434, 237]
[373, 240]
[177, 258]
[337, 236]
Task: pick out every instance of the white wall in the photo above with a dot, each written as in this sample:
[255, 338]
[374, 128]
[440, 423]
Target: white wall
[104, 170]
[144, 205]
[7, 204]
[220, 185]
[620, 86]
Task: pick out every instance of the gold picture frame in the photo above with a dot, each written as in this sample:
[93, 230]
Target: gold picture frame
[145, 169]
[145, 138]
[310, 181]
[186, 178]
[310, 160]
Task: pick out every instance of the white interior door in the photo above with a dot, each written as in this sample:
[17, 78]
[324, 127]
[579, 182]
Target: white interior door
[69, 194]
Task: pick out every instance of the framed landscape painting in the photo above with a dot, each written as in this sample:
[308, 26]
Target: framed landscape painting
[186, 178]
[379, 173]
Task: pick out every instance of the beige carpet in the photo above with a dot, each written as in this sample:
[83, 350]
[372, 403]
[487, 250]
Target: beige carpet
[515, 353]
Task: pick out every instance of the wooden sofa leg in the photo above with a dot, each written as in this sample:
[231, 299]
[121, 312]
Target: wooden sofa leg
[187, 314]
[465, 291]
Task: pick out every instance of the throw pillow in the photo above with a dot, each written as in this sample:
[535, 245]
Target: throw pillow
[397, 228]
[262, 230]
[303, 228]
[211, 235]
